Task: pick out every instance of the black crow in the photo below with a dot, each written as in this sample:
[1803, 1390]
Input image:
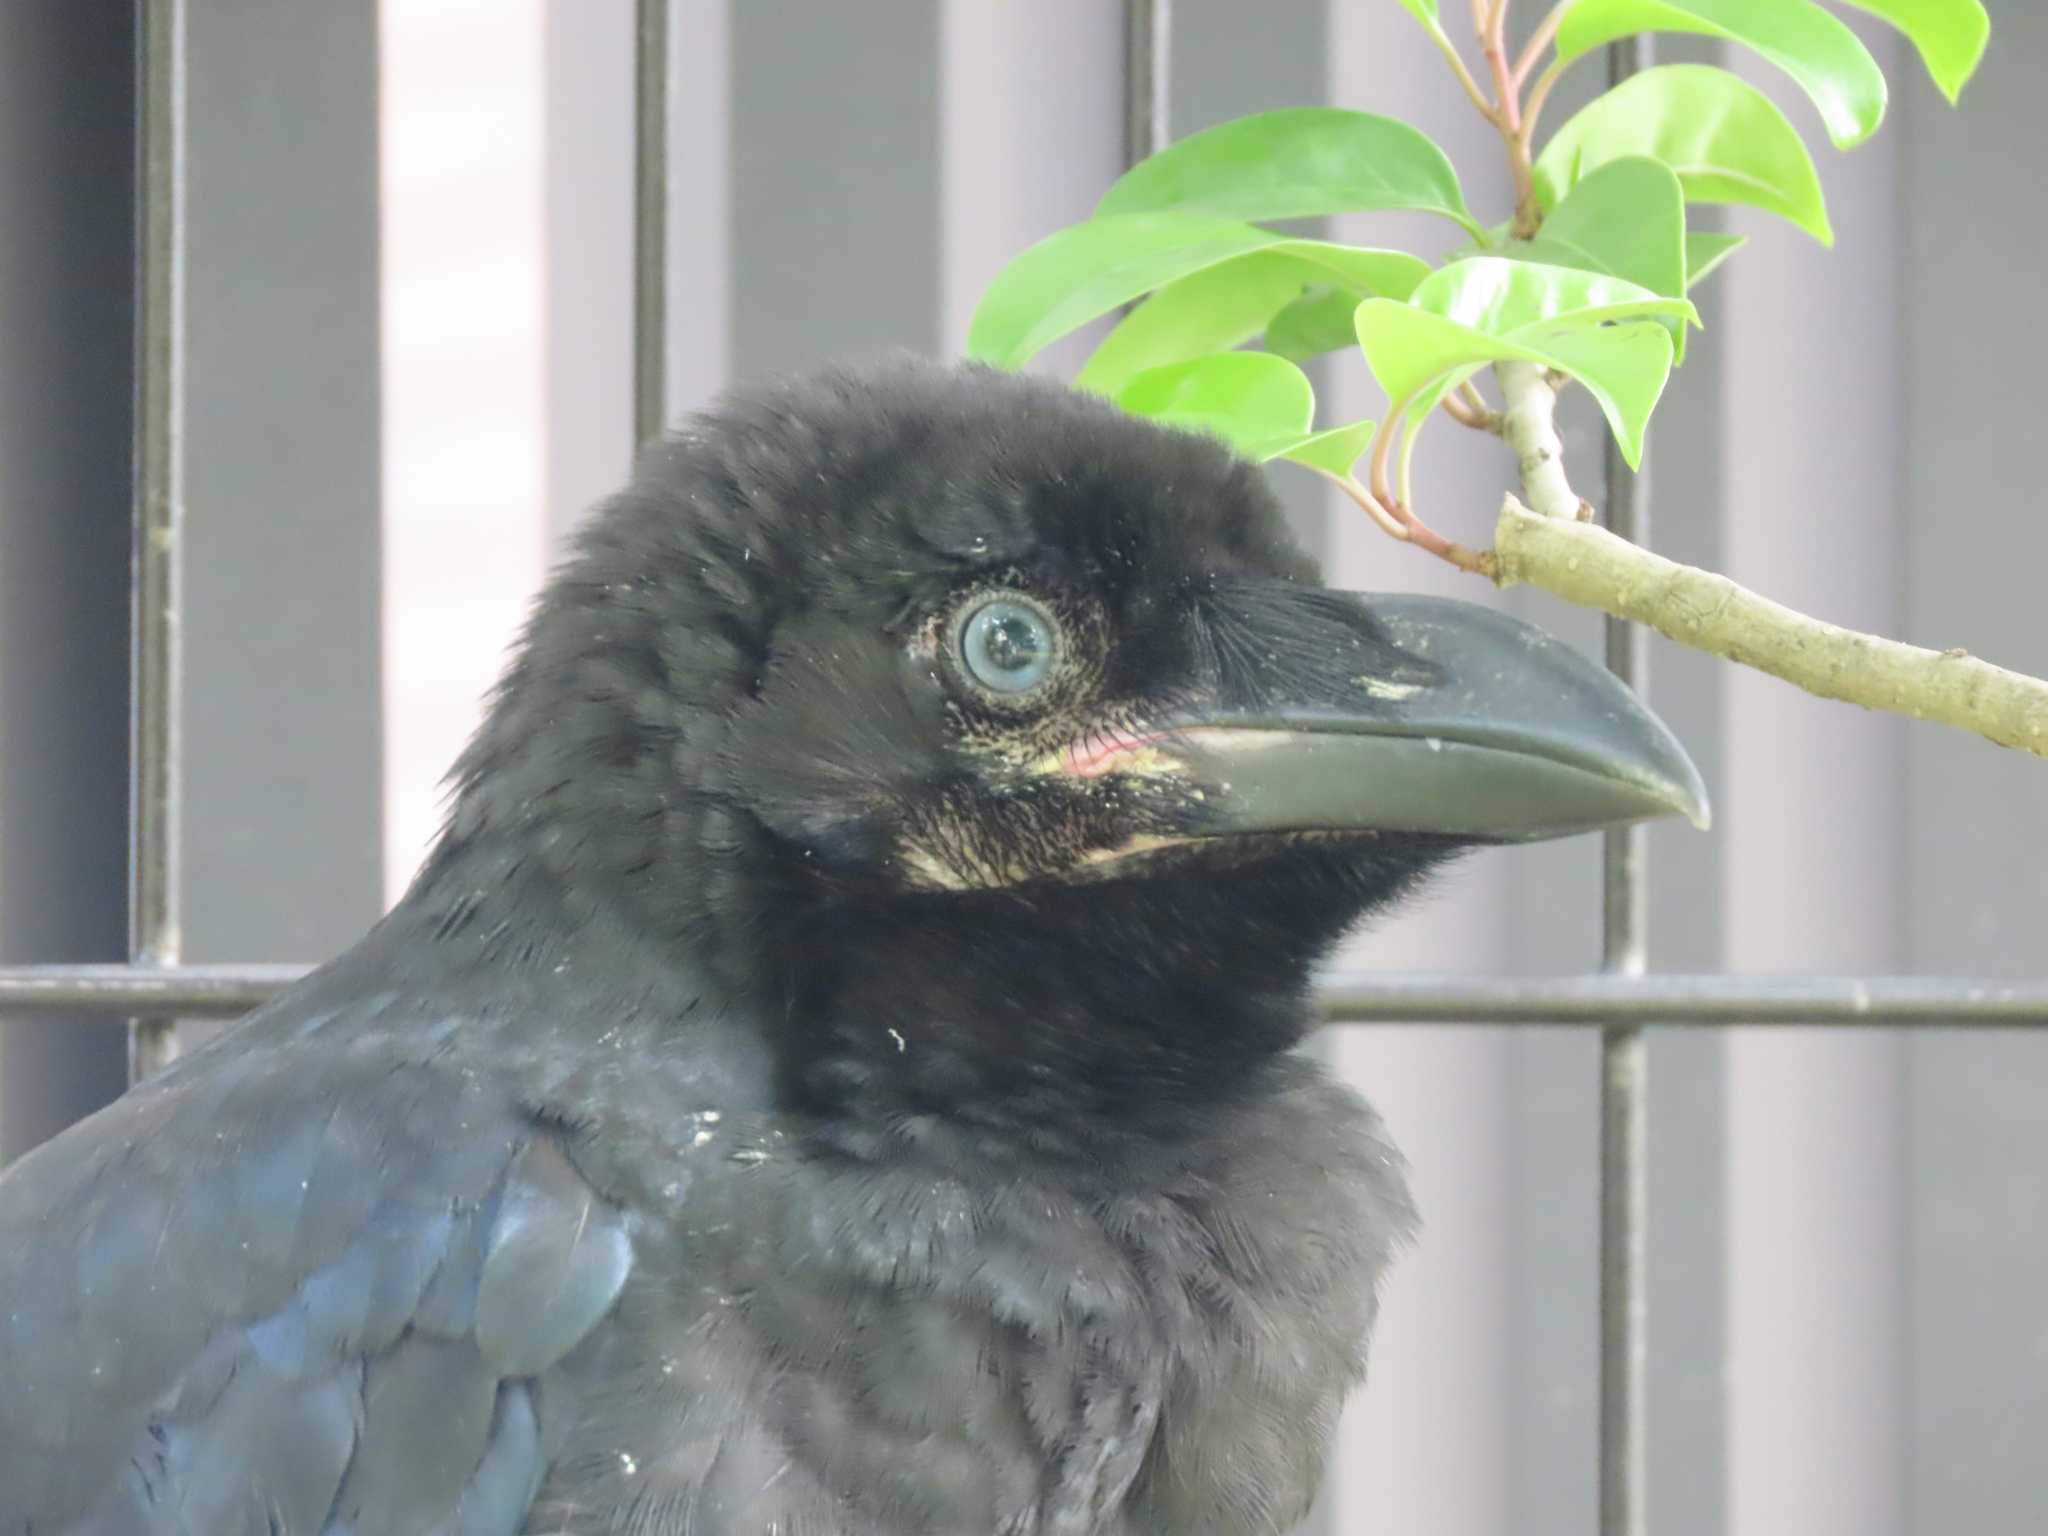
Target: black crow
[835, 1075]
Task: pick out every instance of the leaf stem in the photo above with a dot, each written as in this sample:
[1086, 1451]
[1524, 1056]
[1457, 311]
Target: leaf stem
[1394, 514]
[1348, 484]
[1468, 410]
[1382, 450]
[1539, 40]
[1538, 95]
[1507, 118]
[1450, 52]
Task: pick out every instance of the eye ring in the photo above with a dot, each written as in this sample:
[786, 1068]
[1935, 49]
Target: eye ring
[1007, 645]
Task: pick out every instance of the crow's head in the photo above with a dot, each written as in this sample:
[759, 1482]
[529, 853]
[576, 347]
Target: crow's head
[889, 673]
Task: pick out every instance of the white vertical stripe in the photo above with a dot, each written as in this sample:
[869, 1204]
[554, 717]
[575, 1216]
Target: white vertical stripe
[464, 401]
[1811, 816]
[700, 186]
[1031, 126]
[1427, 1446]
[588, 214]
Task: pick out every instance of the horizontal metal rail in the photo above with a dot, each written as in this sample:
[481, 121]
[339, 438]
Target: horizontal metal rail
[192, 991]
[1418, 997]
[1665, 998]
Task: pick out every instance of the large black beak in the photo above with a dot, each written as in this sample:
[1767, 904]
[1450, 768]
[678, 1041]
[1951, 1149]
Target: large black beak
[1454, 719]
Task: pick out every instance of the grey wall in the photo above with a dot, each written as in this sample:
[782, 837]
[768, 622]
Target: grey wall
[1974, 882]
[1849, 1251]
[66, 80]
[283, 635]
[281, 725]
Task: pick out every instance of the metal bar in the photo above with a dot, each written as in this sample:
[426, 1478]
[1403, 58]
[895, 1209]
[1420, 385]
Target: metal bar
[1668, 999]
[1148, 40]
[154, 937]
[653, 85]
[1385, 998]
[194, 991]
[1625, 1057]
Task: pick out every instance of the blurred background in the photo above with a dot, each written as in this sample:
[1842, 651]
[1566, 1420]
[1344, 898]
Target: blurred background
[409, 306]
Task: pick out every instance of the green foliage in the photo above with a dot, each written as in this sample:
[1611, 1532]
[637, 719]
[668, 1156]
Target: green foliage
[1490, 309]
[1723, 138]
[1082, 273]
[1705, 250]
[1589, 280]
[1220, 306]
[1302, 162]
[1950, 35]
[1808, 43]
[1258, 403]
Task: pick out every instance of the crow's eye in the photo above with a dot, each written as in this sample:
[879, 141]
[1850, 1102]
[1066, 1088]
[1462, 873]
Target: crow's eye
[1007, 644]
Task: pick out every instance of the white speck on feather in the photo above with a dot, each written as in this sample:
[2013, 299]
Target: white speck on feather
[1380, 688]
[627, 1464]
[902, 1044]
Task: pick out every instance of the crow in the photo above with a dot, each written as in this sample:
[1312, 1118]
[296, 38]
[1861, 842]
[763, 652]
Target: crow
[836, 1074]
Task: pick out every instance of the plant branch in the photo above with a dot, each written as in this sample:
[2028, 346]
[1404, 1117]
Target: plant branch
[1450, 52]
[1506, 99]
[1507, 118]
[1529, 426]
[1587, 565]
[1555, 548]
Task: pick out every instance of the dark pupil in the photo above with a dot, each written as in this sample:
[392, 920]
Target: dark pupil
[1012, 643]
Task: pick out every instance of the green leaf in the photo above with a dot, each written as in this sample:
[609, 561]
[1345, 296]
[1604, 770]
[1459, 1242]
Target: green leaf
[1629, 216]
[1503, 297]
[1208, 311]
[1950, 35]
[1408, 348]
[1725, 139]
[1366, 270]
[1333, 451]
[1317, 322]
[1070, 278]
[1706, 249]
[1808, 43]
[1258, 403]
[1624, 368]
[1301, 162]
[1417, 355]
[1220, 306]
[1425, 11]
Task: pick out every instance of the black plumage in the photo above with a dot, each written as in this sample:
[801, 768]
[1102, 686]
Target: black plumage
[834, 1073]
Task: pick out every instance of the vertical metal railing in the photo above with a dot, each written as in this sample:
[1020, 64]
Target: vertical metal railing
[1625, 1058]
[156, 640]
[653, 92]
[1148, 48]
